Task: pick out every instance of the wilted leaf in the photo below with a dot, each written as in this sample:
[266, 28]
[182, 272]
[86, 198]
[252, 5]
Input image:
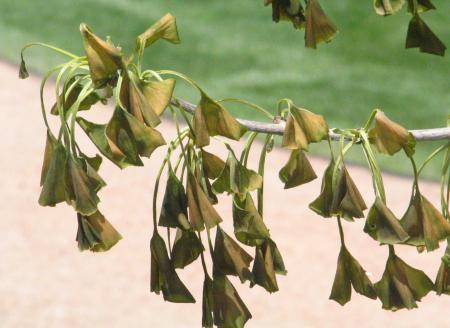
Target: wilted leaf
[313, 125]
[212, 119]
[319, 28]
[383, 226]
[249, 227]
[229, 309]
[23, 72]
[290, 10]
[212, 165]
[186, 248]
[236, 178]
[390, 137]
[293, 136]
[201, 211]
[174, 207]
[422, 37]
[158, 94]
[163, 275]
[402, 285]
[208, 303]
[297, 170]
[165, 28]
[350, 273]
[387, 7]
[347, 201]
[95, 233]
[443, 276]
[230, 258]
[424, 223]
[322, 204]
[104, 59]
[421, 5]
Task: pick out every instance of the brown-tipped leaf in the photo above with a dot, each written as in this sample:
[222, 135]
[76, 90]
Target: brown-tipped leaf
[165, 28]
[319, 28]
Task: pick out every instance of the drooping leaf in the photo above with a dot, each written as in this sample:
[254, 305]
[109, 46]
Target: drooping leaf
[422, 37]
[158, 94]
[201, 211]
[104, 59]
[235, 178]
[212, 119]
[347, 201]
[134, 101]
[421, 6]
[93, 162]
[390, 137]
[293, 136]
[95, 233]
[278, 263]
[229, 309]
[53, 174]
[212, 165]
[163, 275]
[383, 226]
[186, 248]
[443, 276]
[313, 125]
[350, 273]
[174, 207]
[230, 258]
[208, 303]
[387, 7]
[424, 223]
[319, 28]
[297, 170]
[249, 227]
[23, 72]
[401, 285]
[165, 28]
[287, 10]
[96, 132]
[322, 204]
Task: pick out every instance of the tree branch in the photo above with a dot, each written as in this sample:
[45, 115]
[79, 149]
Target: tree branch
[278, 128]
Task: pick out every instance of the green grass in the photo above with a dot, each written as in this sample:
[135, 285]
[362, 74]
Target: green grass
[232, 49]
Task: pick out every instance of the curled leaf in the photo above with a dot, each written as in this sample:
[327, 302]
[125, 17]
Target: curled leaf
[212, 165]
[319, 28]
[104, 59]
[158, 94]
[420, 5]
[293, 136]
[163, 275]
[186, 248]
[249, 227]
[422, 37]
[297, 170]
[229, 258]
[290, 10]
[23, 72]
[208, 303]
[388, 7]
[165, 28]
[401, 285]
[350, 273]
[201, 211]
[424, 223]
[383, 226]
[322, 204]
[95, 233]
[390, 137]
[443, 276]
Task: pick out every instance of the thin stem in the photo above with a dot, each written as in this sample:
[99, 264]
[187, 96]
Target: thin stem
[248, 145]
[61, 51]
[432, 155]
[250, 105]
[341, 231]
[262, 161]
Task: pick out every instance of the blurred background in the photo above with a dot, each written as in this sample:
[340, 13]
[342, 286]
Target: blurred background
[232, 49]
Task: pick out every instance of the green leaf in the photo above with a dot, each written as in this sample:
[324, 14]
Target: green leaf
[163, 275]
[390, 137]
[212, 165]
[186, 248]
[319, 28]
[350, 273]
[236, 178]
[249, 227]
[201, 211]
[174, 207]
[402, 285]
[387, 7]
[297, 170]
[165, 28]
[422, 37]
[95, 233]
[424, 223]
[96, 132]
[134, 101]
[208, 303]
[104, 59]
[229, 258]
[158, 94]
[229, 309]
[212, 119]
[53, 176]
[383, 226]
[322, 204]
[347, 201]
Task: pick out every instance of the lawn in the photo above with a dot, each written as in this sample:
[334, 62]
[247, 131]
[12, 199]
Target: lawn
[233, 49]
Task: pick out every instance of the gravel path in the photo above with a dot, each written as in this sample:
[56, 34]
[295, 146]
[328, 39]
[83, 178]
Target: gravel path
[46, 282]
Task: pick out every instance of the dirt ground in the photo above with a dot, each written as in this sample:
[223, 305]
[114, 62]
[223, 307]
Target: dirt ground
[46, 282]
